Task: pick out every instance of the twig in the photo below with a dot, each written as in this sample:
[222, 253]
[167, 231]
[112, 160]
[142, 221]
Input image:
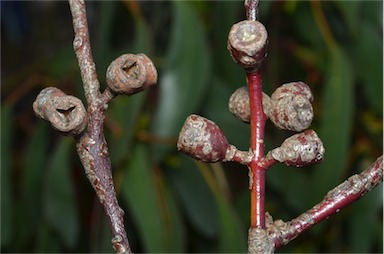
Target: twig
[257, 173]
[252, 9]
[91, 146]
[349, 191]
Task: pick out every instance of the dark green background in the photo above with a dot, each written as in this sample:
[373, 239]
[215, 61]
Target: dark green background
[173, 203]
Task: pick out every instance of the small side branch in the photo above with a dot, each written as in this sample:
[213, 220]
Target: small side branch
[252, 9]
[344, 194]
[82, 47]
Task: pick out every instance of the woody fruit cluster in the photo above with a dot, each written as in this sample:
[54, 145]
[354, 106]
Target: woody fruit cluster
[289, 108]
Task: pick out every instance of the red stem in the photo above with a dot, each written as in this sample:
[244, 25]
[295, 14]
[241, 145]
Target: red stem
[257, 173]
[344, 194]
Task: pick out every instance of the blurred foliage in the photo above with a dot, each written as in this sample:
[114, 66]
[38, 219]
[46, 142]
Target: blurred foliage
[173, 203]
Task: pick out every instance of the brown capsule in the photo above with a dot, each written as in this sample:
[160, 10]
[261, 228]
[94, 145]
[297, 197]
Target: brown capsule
[247, 43]
[65, 113]
[240, 107]
[129, 74]
[202, 139]
[291, 107]
[300, 150]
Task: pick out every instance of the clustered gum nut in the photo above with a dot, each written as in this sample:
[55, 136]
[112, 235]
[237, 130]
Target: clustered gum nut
[129, 74]
[247, 43]
[66, 113]
[202, 139]
[291, 107]
[239, 104]
[300, 150]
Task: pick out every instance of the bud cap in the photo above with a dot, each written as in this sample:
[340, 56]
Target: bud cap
[202, 139]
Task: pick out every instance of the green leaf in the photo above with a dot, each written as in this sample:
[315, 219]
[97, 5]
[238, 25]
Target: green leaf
[369, 65]
[290, 183]
[305, 25]
[142, 40]
[124, 112]
[336, 124]
[195, 196]
[174, 226]
[63, 63]
[224, 66]
[7, 204]
[59, 200]
[141, 195]
[35, 158]
[46, 241]
[350, 11]
[105, 26]
[185, 77]
[232, 238]
[216, 109]
[364, 216]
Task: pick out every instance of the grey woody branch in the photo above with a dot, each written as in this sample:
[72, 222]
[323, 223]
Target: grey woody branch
[91, 146]
[128, 74]
[82, 47]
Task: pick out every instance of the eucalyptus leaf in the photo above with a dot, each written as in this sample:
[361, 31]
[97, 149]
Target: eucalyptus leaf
[46, 241]
[224, 66]
[174, 226]
[336, 124]
[351, 12]
[232, 237]
[216, 109]
[35, 160]
[59, 195]
[365, 213]
[195, 196]
[140, 193]
[184, 80]
[368, 65]
[124, 113]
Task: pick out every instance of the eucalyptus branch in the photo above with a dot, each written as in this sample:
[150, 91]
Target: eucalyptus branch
[288, 108]
[128, 74]
[82, 47]
[91, 146]
[280, 233]
[252, 9]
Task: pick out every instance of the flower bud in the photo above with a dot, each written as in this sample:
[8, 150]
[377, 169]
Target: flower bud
[291, 107]
[129, 74]
[202, 139]
[65, 113]
[240, 107]
[300, 150]
[247, 43]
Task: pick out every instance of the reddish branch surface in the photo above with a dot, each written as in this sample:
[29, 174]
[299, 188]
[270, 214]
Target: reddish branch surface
[349, 191]
[257, 172]
[91, 146]
[289, 108]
